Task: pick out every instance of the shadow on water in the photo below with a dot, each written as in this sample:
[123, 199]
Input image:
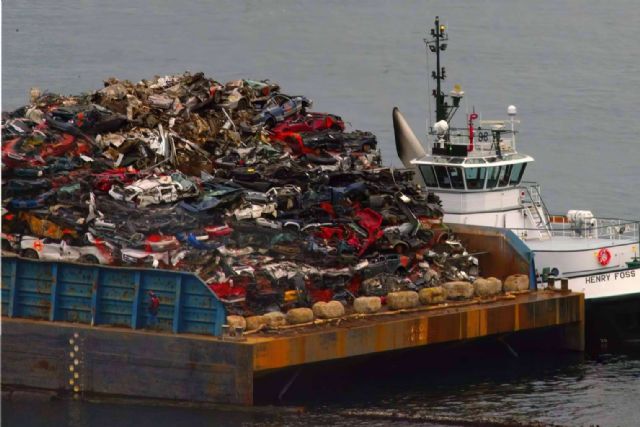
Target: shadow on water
[482, 383]
[367, 379]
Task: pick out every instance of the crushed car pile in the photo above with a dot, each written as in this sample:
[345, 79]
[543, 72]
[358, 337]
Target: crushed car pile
[272, 205]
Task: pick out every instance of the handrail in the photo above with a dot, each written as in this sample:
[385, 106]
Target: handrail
[603, 228]
[529, 186]
[543, 230]
[484, 137]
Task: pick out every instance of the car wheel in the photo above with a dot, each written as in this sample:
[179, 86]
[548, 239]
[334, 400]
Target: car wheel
[400, 248]
[400, 271]
[89, 259]
[243, 104]
[217, 96]
[270, 123]
[6, 245]
[30, 253]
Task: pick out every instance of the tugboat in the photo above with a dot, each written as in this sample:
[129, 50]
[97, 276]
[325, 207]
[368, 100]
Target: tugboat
[478, 175]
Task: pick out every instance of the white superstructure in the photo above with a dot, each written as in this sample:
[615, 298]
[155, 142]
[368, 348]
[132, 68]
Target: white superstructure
[481, 183]
[478, 175]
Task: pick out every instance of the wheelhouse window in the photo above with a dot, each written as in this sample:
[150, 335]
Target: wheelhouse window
[443, 176]
[428, 175]
[456, 177]
[475, 178]
[505, 173]
[494, 174]
[516, 173]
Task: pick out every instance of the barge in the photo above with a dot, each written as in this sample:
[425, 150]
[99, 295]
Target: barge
[83, 330]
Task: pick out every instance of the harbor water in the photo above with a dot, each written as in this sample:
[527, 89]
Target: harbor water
[571, 68]
[483, 388]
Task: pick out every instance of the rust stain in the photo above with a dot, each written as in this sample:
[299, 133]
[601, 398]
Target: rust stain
[500, 319]
[341, 338]
[272, 354]
[44, 365]
[300, 355]
[530, 311]
[417, 333]
[472, 324]
[424, 331]
[444, 328]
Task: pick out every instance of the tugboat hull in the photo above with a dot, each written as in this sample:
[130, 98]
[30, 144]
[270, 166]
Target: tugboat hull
[613, 323]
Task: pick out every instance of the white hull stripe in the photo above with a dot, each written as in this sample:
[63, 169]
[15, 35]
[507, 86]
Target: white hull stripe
[607, 285]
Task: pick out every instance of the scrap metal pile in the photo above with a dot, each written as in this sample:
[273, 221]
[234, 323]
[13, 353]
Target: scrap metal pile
[272, 205]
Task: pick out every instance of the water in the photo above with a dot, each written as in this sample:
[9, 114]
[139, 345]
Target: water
[572, 68]
[484, 389]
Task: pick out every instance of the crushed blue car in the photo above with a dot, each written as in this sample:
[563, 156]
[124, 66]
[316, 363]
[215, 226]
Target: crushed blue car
[276, 109]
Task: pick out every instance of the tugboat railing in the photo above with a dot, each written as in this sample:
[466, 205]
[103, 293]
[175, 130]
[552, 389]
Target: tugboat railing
[596, 228]
[480, 148]
[533, 191]
[536, 209]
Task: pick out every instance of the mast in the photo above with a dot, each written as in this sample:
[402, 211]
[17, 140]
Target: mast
[435, 46]
[444, 111]
[440, 109]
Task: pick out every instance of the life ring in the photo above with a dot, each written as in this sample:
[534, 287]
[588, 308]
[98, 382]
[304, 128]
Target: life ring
[604, 256]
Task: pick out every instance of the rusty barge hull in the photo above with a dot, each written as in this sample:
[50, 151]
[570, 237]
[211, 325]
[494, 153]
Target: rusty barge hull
[187, 367]
[82, 330]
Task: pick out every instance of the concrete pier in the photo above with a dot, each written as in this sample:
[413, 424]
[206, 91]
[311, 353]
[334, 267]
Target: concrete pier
[75, 358]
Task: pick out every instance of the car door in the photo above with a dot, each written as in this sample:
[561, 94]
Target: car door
[51, 250]
[289, 108]
[68, 252]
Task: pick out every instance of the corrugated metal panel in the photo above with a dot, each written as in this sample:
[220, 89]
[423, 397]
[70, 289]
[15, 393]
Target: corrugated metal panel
[33, 287]
[100, 295]
[8, 271]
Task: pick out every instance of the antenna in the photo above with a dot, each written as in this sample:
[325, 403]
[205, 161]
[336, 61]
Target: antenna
[436, 44]
[430, 121]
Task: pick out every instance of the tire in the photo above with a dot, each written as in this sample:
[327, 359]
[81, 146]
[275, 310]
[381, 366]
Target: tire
[6, 245]
[243, 104]
[401, 271]
[217, 96]
[30, 253]
[400, 248]
[89, 259]
[270, 123]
